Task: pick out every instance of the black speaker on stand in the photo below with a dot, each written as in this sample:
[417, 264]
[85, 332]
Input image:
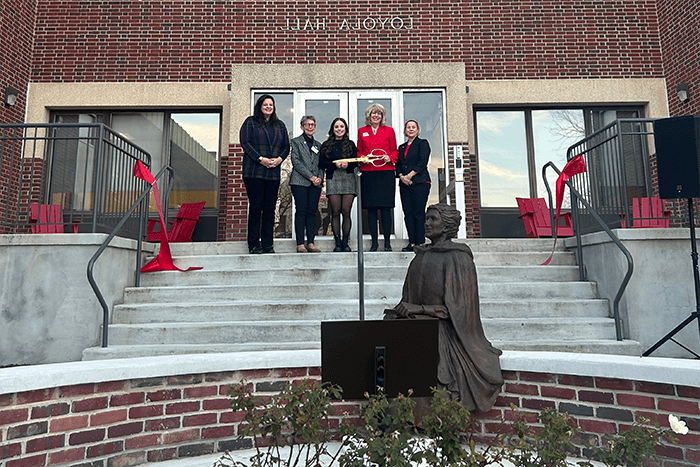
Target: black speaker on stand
[678, 167]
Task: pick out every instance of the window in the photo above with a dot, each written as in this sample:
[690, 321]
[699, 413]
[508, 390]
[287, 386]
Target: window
[187, 141]
[514, 144]
[194, 157]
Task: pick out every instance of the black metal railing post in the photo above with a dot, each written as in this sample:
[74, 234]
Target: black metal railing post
[360, 248]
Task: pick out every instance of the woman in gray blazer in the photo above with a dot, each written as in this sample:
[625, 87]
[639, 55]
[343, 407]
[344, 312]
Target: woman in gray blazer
[305, 181]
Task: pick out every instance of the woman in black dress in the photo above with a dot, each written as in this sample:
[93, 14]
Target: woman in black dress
[341, 187]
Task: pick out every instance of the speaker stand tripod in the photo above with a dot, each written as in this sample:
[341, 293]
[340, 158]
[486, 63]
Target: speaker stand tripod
[696, 314]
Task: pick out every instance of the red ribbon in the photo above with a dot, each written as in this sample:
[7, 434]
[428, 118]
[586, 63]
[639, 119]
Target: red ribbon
[575, 166]
[164, 260]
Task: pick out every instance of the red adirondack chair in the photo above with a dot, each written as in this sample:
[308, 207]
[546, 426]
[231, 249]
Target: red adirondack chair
[182, 226]
[48, 218]
[648, 213]
[535, 216]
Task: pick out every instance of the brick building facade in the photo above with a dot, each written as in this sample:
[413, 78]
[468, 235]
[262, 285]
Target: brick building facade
[73, 57]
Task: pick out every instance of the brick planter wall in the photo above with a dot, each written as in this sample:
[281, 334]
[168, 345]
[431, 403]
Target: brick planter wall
[603, 406]
[128, 422]
[133, 421]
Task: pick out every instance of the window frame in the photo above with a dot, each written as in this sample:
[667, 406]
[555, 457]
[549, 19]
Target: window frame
[106, 116]
[533, 172]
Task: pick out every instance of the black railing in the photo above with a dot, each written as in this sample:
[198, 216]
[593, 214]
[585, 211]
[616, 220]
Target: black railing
[86, 169]
[576, 196]
[141, 202]
[360, 249]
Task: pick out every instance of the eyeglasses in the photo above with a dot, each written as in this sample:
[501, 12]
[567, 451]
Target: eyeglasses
[309, 124]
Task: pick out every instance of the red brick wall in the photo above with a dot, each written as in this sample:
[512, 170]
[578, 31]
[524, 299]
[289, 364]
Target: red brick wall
[605, 405]
[154, 419]
[10, 176]
[126, 422]
[25, 177]
[17, 18]
[678, 32]
[148, 40]
[233, 203]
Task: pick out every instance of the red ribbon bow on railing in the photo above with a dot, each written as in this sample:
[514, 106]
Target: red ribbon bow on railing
[573, 167]
[164, 260]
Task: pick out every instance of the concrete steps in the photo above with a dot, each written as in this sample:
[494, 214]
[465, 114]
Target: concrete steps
[193, 312]
[243, 302]
[330, 274]
[343, 291]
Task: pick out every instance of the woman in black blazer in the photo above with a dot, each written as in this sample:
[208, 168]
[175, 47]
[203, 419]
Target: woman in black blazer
[414, 182]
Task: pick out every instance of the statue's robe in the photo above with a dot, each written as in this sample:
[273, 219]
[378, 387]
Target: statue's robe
[469, 367]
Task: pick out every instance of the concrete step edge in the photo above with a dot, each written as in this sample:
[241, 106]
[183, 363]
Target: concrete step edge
[539, 283]
[278, 323]
[571, 302]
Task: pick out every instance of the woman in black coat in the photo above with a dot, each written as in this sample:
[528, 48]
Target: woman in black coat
[414, 182]
[265, 142]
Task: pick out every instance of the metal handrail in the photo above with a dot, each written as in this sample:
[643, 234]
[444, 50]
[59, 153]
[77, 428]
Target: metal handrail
[579, 250]
[360, 250]
[142, 221]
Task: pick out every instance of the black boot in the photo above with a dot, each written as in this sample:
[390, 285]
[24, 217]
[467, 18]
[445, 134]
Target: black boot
[346, 247]
[338, 244]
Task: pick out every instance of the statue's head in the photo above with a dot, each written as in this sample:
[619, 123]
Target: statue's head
[450, 220]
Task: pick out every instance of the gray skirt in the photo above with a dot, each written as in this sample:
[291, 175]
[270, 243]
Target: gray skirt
[342, 183]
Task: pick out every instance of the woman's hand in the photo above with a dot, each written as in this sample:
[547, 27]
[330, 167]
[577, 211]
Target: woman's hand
[405, 179]
[341, 164]
[316, 181]
[271, 163]
[386, 158]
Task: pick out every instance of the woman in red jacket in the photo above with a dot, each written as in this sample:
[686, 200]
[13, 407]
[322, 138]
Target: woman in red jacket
[378, 185]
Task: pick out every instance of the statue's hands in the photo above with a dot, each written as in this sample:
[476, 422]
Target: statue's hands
[407, 310]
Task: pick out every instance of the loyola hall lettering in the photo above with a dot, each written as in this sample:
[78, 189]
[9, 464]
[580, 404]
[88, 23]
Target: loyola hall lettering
[356, 24]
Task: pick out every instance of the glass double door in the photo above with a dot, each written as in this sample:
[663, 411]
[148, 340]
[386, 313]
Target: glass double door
[351, 106]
